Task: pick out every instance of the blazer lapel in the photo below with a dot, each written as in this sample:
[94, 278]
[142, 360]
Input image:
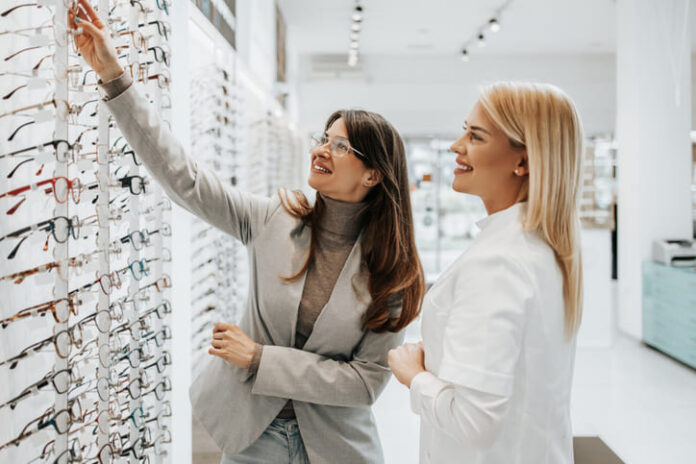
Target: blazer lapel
[279, 300]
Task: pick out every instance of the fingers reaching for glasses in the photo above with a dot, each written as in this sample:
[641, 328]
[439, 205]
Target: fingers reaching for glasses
[93, 41]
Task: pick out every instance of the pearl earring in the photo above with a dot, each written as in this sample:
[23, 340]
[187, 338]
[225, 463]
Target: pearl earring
[517, 171]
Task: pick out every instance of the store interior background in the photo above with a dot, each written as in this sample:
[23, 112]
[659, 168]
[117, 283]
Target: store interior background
[619, 61]
[628, 65]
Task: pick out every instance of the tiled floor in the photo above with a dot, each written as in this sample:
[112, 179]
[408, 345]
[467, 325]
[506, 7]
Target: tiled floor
[641, 403]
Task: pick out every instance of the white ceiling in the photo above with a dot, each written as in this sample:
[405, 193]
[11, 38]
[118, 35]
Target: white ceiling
[443, 26]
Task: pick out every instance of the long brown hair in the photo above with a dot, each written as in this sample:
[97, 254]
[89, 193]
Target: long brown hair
[387, 243]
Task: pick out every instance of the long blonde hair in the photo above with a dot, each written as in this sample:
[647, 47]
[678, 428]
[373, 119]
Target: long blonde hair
[542, 118]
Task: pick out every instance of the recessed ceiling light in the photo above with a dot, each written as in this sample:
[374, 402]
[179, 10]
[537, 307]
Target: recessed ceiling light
[355, 27]
[481, 42]
[494, 25]
[465, 55]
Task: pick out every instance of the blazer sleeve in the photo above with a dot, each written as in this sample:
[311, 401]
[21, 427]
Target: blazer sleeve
[193, 187]
[303, 376]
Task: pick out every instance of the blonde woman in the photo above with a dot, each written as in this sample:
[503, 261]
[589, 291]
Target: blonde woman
[491, 379]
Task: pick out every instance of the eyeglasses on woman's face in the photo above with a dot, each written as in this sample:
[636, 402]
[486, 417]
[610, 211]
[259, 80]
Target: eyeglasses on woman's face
[339, 146]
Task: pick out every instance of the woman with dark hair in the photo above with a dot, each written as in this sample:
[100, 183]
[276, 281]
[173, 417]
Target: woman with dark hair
[332, 284]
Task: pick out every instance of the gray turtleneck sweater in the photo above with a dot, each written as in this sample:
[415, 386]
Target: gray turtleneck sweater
[336, 235]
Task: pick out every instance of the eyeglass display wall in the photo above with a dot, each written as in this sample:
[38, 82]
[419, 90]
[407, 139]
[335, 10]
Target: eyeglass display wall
[218, 259]
[241, 133]
[84, 275]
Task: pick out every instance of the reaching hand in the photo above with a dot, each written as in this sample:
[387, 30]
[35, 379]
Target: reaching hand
[94, 43]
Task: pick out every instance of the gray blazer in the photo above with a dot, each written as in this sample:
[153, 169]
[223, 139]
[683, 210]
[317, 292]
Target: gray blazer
[341, 370]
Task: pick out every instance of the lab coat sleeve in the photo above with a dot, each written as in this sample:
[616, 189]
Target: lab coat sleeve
[485, 325]
[190, 185]
[466, 415]
[484, 329]
[310, 377]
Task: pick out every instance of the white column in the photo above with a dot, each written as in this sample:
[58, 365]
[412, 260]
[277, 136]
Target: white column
[653, 78]
[181, 262]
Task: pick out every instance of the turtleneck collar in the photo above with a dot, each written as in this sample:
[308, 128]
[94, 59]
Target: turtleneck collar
[341, 218]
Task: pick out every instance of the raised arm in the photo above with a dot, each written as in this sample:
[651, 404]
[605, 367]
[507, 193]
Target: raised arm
[193, 187]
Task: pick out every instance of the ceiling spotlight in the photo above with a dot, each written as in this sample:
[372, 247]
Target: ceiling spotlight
[354, 45]
[353, 52]
[465, 55]
[352, 60]
[354, 36]
[494, 25]
[355, 27]
[357, 14]
[481, 42]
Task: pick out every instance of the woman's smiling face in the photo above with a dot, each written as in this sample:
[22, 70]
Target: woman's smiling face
[341, 178]
[488, 165]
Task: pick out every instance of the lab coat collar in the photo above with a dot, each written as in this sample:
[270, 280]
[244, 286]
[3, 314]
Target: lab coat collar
[503, 217]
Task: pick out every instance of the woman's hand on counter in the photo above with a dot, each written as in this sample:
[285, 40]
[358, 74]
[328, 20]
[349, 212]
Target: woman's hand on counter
[94, 42]
[232, 344]
[407, 361]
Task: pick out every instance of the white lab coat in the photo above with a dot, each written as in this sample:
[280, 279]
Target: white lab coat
[497, 390]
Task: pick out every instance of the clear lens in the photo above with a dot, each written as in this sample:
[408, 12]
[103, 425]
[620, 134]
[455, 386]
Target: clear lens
[77, 336]
[64, 458]
[60, 228]
[76, 190]
[61, 381]
[62, 421]
[63, 344]
[60, 189]
[105, 356]
[106, 454]
[62, 149]
[62, 311]
[103, 421]
[137, 239]
[134, 388]
[103, 321]
[74, 227]
[105, 283]
[103, 387]
[137, 185]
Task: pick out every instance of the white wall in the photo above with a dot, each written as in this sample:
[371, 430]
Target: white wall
[654, 151]
[432, 95]
[256, 40]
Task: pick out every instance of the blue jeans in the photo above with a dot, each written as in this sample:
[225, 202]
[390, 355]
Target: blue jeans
[280, 443]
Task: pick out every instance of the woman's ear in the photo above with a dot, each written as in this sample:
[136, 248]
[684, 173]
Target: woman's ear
[371, 178]
[522, 167]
